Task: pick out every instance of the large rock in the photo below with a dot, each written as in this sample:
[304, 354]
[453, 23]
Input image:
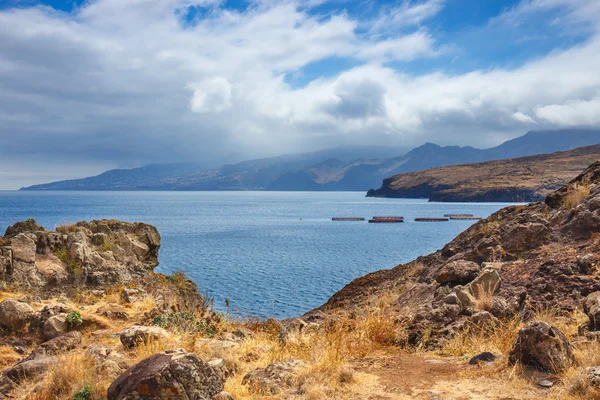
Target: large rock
[542, 346]
[95, 253]
[136, 335]
[29, 369]
[108, 361]
[43, 314]
[591, 306]
[58, 345]
[15, 314]
[29, 226]
[274, 378]
[132, 295]
[23, 248]
[488, 282]
[458, 273]
[173, 375]
[55, 326]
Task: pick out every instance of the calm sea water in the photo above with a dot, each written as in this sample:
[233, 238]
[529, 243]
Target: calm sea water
[270, 253]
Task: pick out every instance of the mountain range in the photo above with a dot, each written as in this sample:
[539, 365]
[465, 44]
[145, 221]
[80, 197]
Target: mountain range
[351, 168]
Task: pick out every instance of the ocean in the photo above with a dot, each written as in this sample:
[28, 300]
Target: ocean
[268, 254]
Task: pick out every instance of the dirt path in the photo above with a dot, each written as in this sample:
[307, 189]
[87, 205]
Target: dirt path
[401, 376]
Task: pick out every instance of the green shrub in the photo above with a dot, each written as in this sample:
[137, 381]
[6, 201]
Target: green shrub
[74, 318]
[184, 322]
[83, 394]
[65, 256]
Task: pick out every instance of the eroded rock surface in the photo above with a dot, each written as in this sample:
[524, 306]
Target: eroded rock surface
[92, 253]
[176, 375]
[542, 346]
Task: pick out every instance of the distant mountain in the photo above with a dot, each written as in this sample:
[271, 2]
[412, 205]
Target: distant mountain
[357, 168]
[516, 179]
[246, 175]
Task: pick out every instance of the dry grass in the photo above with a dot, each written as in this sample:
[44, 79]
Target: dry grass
[72, 373]
[576, 194]
[66, 228]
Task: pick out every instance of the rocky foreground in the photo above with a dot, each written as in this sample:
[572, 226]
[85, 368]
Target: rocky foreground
[507, 310]
[521, 179]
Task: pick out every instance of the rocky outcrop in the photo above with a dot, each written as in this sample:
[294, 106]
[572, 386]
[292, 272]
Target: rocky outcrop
[458, 273]
[542, 346]
[14, 314]
[274, 378]
[108, 361]
[135, 335]
[176, 375]
[41, 317]
[517, 260]
[90, 253]
[58, 345]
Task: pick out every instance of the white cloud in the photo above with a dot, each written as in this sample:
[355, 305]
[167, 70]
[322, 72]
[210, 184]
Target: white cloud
[211, 95]
[572, 113]
[119, 75]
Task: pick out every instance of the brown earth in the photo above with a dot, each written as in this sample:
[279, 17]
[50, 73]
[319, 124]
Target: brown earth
[519, 179]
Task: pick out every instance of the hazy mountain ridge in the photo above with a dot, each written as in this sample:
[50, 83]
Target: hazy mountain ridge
[343, 168]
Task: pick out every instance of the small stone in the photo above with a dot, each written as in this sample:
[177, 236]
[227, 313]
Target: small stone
[546, 384]
[486, 356]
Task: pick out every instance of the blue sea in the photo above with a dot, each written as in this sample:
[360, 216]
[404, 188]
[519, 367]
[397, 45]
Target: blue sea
[268, 253]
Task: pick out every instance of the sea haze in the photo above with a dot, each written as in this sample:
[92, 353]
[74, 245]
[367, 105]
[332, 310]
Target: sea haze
[270, 253]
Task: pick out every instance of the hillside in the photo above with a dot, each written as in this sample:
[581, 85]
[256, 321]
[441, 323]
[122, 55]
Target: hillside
[507, 310]
[519, 179]
[355, 168]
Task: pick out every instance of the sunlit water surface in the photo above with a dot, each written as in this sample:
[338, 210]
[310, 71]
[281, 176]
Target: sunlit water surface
[270, 253]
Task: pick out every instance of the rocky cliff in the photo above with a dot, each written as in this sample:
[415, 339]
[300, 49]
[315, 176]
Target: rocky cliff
[522, 179]
[96, 253]
[520, 259]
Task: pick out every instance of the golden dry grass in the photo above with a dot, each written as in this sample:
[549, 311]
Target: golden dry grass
[329, 353]
[576, 194]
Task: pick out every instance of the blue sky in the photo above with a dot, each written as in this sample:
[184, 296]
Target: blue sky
[88, 86]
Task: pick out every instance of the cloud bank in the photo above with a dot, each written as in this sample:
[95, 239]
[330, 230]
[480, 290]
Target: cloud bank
[129, 82]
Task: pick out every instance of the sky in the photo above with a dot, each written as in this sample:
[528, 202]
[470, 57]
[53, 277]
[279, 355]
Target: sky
[91, 85]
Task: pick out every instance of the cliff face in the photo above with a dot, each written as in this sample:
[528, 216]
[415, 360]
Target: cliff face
[520, 258]
[523, 179]
[90, 253]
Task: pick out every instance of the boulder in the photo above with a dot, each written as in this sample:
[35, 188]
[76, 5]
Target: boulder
[296, 329]
[58, 345]
[542, 346]
[222, 368]
[108, 361]
[55, 326]
[132, 295]
[274, 378]
[15, 314]
[593, 375]
[23, 248]
[29, 369]
[457, 273]
[173, 375]
[42, 315]
[591, 306]
[488, 281]
[136, 334]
